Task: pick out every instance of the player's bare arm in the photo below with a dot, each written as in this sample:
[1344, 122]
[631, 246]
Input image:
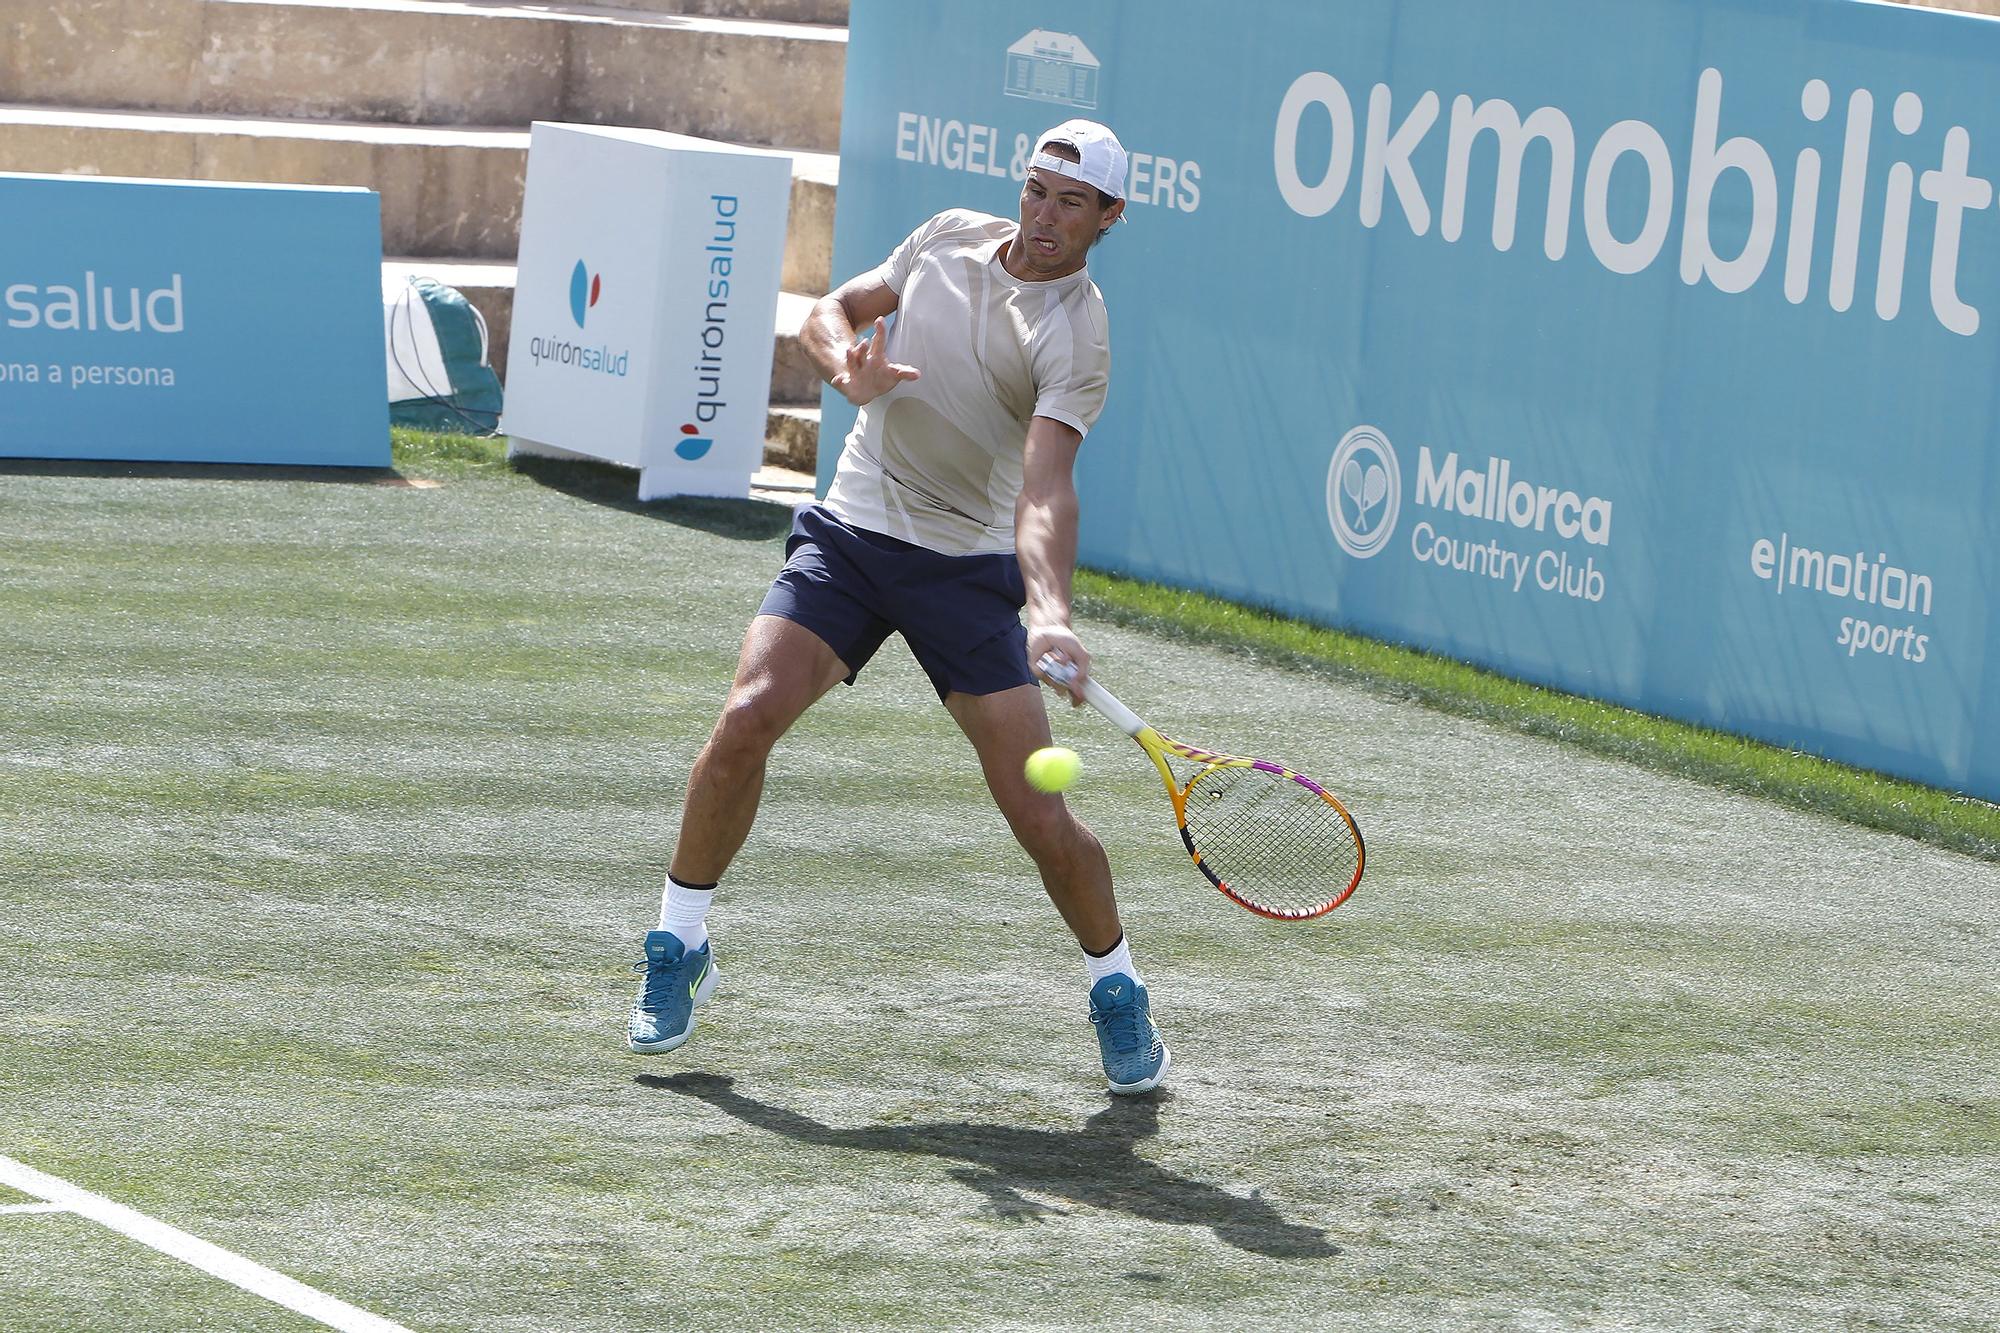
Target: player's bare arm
[858, 368]
[1045, 522]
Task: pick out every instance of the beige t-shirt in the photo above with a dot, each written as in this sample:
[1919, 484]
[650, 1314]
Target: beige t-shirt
[937, 461]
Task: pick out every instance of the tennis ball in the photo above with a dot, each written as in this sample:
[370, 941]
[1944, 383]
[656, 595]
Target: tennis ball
[1053, 769]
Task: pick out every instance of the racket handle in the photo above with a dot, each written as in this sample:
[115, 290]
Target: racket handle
[1103, 700]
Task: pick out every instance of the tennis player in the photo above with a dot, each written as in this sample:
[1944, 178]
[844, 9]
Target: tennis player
[953, 509]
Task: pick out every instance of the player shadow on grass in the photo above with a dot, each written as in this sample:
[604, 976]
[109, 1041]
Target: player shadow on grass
[1096, 1166]
[617, 488]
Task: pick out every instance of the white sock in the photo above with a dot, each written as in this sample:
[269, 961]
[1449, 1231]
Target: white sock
[684, 911]
[1118, 960]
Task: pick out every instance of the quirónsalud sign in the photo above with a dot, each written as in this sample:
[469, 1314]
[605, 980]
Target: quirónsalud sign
[191, 322]
[1644, 351]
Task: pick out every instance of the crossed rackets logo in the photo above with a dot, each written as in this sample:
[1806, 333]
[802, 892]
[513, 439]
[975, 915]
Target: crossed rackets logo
[1364, 492]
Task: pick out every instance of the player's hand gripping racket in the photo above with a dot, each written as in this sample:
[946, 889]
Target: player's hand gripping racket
[1272, 840]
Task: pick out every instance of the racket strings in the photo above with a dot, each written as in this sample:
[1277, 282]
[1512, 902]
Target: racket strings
[1272, 840]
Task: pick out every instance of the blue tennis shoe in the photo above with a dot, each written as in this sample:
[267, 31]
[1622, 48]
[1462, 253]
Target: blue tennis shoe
[676, 981]
[1135, 1059]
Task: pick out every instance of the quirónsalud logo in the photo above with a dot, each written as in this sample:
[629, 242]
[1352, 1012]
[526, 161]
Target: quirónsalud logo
[695, 445]
[1364, 489]
[584, 289]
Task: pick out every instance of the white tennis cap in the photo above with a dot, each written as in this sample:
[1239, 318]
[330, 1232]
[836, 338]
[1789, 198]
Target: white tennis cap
[1103, 163]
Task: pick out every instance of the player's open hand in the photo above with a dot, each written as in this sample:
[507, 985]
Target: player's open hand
[870, 373]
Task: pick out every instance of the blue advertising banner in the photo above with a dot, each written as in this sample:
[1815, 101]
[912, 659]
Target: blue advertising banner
[183, 321]
[1646, 351]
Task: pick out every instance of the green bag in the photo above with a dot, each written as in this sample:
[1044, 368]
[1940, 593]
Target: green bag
[438, 376]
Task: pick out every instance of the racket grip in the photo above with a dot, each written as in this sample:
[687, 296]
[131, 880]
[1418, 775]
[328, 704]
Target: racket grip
[1062, 673]
[1057, 670]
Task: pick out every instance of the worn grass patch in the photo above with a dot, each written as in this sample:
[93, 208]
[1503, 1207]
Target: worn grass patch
[331, 814]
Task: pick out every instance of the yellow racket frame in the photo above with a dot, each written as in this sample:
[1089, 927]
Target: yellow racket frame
[1159, 747]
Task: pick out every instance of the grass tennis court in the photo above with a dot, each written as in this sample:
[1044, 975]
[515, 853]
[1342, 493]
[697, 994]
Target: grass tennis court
[331, 814]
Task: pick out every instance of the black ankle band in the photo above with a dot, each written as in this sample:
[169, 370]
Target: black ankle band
[710, 888]
[1108, 952]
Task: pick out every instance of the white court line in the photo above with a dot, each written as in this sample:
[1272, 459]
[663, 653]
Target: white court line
[32, 1208]
[212, 1259]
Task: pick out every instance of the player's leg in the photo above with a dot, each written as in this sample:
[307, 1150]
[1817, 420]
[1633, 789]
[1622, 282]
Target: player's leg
[782, 670]
[1005, 727]
[816, 626]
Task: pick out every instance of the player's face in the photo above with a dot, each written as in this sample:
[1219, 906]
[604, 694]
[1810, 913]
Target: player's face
[1059, 220]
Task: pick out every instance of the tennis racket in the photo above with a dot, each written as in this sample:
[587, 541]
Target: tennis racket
[1272, 840]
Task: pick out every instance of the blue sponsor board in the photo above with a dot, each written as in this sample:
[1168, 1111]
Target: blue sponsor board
[190, 322]
[1645, 351]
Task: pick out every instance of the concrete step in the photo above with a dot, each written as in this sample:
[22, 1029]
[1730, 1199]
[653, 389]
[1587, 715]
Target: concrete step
[782, 11]
[795, 385]
[454, 192]
[1991, 8]
[792, 439]
[793, 379]
[431, 62]
[449, 192]
[774, 483]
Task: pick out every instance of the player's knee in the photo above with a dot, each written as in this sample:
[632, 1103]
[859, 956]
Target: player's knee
[751, 723]
[1049, 831]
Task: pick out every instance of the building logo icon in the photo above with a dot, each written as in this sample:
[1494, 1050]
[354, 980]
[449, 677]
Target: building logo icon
[1364, 492]
[1052, 67]
[584, 288]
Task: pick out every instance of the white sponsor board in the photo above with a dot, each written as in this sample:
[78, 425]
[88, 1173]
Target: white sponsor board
[645, 305]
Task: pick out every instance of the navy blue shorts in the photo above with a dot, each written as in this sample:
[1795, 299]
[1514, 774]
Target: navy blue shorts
[960, 614]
